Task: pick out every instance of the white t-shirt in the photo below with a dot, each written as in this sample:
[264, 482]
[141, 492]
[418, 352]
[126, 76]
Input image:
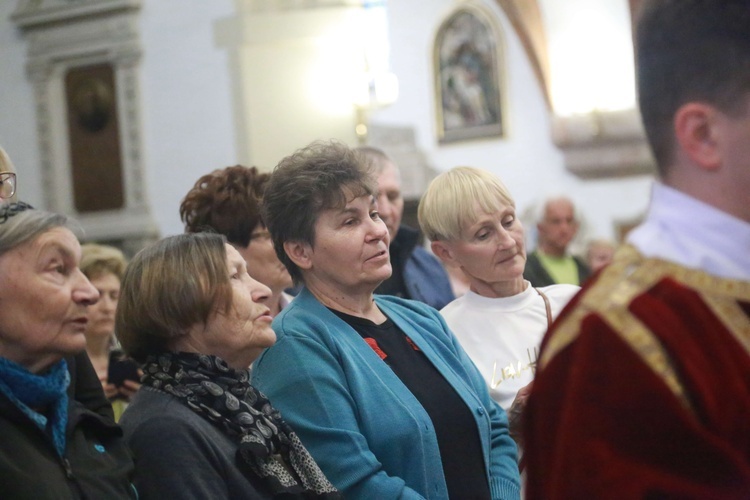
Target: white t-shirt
[502, 335]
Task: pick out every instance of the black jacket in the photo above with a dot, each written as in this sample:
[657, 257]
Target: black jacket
[86, 387]
[97, 462]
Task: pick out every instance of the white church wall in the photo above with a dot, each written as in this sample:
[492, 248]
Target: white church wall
[17, 125]
[187, 101]
[526, 159]
[189, 120]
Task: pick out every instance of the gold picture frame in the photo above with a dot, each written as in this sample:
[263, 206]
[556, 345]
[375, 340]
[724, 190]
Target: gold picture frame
[468, 81]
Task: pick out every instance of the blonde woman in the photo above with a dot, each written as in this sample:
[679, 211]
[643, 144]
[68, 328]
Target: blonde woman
[470, 217]
[104, 266]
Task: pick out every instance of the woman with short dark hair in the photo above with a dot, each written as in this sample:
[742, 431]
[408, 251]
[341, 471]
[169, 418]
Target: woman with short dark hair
[377, 386]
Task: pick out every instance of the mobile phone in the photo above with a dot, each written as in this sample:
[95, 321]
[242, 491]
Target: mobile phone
[121, 368]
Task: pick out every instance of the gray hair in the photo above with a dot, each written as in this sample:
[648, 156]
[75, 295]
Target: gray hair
[540, 210]
[376, 158]
[21, 223]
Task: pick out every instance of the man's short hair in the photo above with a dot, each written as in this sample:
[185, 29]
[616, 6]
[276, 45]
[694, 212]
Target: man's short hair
[376, 157]
[449, 203]
[690, 51]
[315, 178]
[540, 209]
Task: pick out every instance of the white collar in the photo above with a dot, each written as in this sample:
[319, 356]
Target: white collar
[684, 230]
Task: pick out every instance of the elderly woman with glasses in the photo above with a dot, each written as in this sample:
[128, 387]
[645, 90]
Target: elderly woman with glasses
[377, 387]
[53, 445]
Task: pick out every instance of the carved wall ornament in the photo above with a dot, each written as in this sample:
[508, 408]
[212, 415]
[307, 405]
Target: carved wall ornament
[90, 104]
[68, 36]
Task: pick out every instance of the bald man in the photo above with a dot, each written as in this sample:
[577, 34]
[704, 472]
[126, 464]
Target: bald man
[550, 263]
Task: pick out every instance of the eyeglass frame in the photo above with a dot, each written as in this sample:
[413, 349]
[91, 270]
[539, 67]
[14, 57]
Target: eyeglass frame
[5, 177]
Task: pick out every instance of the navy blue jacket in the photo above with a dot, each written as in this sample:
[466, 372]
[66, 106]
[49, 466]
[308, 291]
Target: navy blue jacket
[424, 277]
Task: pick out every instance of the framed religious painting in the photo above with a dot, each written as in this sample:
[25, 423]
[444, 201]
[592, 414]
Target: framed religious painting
[468, 77]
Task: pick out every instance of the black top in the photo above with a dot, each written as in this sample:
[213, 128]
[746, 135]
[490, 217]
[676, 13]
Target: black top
[455, 427]
[85, 386]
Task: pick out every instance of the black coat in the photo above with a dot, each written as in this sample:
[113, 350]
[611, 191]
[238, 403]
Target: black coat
[97, 463]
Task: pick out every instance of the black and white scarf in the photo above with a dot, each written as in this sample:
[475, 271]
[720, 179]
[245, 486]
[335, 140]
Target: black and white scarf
[224, 397]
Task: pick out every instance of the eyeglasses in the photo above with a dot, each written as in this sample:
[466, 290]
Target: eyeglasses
[7, 185]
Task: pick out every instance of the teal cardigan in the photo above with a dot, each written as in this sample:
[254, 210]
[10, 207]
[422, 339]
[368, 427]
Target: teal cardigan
[366, 430]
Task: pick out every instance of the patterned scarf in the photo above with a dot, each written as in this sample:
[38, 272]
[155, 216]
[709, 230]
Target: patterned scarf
[8, 210]
[224, 397]
[30, 391]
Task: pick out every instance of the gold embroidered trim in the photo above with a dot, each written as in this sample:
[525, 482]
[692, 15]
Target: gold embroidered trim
[731, 314]
[652, 352]
[631, 275]
[610, 290]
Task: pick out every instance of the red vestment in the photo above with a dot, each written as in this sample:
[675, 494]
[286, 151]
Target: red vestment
[643, 388]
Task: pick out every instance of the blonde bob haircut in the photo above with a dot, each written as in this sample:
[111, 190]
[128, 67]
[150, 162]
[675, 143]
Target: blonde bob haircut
[450, 202]
[100, 260]
[168, 288]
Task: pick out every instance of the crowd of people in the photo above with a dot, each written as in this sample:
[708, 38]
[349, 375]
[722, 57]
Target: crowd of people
[297, 341]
